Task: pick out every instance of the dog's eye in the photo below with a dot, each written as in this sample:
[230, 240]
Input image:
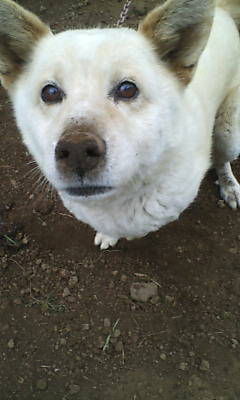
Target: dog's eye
[52, 94]
[126, 90]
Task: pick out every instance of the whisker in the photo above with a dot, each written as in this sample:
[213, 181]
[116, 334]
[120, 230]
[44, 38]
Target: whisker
[31, 162]
[33, 171]
[40, 183]
[36, 187]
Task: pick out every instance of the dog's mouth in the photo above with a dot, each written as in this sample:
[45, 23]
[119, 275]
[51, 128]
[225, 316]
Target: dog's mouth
[88, 190]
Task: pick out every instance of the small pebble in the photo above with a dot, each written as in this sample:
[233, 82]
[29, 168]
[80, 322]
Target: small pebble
[71, 299]
[116, 333]
[169, 299]
[235, 343]
[11, 344]
[135, 338]
[196, 382]
[119, 346]
[85, 327]
[111, 285]
[17, 301]
[106, 323]
[25, 240]
[155, 299]
[143, 291]
[74, 389]
[41, 384]
[221, 204]
[204, 366]
[4, 328]
[73, 281]
[66, 292]
[43, 8]
[183, 366]
[123, 278]
[63, 273]
[101, 342]
[233, 250]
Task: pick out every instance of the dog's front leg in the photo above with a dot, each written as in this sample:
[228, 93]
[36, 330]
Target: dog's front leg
[229, 186]
[104, 241]
[227, 147]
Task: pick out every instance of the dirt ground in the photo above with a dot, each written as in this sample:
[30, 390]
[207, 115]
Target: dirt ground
[69, 328]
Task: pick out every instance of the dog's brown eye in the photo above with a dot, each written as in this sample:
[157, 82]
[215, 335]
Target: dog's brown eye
[52, 94]
[126, 90]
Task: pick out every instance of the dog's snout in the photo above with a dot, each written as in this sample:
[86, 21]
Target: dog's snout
[80, 153]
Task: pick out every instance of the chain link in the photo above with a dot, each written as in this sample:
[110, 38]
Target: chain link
[124, 13]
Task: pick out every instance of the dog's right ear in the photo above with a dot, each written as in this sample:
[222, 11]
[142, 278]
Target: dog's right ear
[179, 30]
[20, 30]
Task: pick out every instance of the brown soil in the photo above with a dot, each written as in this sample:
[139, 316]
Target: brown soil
[69, 328]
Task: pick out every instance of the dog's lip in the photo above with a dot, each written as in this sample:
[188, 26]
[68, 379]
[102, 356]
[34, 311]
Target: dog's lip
[88, 190]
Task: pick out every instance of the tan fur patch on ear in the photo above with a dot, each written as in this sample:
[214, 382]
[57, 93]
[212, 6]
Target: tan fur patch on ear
[179, 30]
[149, 28]
[19, 31]
[184, 74]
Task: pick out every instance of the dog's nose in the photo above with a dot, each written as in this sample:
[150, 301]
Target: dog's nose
[80, 153]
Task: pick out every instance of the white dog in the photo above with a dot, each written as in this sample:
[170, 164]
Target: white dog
[120, 121]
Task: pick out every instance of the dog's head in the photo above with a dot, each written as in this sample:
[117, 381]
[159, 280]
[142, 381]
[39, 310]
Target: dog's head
[97, 108]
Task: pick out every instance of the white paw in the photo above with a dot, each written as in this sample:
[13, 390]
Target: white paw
[130, 238]
[230, 193]
[104, 241]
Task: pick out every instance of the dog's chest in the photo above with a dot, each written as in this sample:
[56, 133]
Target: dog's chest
[124, 218]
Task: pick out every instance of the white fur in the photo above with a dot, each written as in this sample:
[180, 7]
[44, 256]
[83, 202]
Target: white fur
[158, 146]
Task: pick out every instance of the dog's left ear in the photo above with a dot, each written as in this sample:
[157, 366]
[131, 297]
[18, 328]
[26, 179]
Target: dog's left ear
[179, 30]
[20, 30]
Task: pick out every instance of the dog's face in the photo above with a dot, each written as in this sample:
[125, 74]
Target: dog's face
[96, 108]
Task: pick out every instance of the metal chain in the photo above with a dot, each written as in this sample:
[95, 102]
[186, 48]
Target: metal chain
[124, 13]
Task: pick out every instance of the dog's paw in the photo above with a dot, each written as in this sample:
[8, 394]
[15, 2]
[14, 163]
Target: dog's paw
[104, 241]
[230, 193]
[229, 186]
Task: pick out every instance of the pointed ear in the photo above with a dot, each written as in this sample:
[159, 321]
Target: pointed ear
[19, 32]
[179, 30]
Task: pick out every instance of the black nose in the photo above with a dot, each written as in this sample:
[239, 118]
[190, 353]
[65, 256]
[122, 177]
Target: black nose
[80, 153]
